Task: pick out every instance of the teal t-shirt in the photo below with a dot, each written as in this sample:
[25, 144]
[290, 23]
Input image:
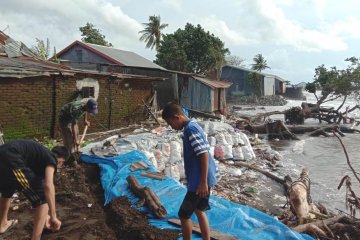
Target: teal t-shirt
[72, 112]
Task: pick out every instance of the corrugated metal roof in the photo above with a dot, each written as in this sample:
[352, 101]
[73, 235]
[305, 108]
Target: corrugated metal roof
[3, 37]
[213, 83]
[27, 67]
[122, 57]
[17, 49]
[260, 73]
[30, 67]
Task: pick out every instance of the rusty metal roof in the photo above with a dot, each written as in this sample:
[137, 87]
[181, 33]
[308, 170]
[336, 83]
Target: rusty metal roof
[23, 67]
[213, 83]
[3, 37]
[30, 67]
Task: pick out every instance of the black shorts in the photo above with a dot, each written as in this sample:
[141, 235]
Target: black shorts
[21, 178]
[193, 202]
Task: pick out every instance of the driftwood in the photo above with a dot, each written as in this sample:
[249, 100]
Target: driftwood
[214, 235]
[266, 173]
[299, 196]
[203, 114]
[319, 223]
[151, 113]
[276, 129]
[147, 196]
[322, 131]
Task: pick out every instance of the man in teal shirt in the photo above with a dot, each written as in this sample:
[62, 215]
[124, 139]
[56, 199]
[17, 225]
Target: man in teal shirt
[69, 116]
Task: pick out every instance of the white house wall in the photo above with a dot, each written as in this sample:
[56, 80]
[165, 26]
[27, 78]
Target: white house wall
[269, 86]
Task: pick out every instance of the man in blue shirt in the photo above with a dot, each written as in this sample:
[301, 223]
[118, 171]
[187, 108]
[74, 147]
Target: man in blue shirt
[199, 170]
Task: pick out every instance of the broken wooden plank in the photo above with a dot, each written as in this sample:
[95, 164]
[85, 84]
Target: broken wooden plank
[214, 235]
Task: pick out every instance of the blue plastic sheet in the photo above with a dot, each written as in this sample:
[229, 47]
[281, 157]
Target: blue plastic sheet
[225, 216]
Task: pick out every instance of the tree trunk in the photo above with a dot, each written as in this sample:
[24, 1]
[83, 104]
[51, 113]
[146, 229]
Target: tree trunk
[276, 129]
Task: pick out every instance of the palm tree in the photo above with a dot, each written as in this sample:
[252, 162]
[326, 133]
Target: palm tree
[259, 63]
[152, 32]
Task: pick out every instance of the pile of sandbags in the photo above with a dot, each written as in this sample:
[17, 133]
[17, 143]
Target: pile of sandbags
[231, 145]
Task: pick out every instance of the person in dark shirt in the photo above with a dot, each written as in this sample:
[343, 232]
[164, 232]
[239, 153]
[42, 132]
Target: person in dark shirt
[69, 116]
[29, 167]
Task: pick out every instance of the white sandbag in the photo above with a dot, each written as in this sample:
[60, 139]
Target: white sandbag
[165, 149]
[159, 160]
[235, 139]
[235, 171]
[228, 151]
[175, 152]
[181, 168]
[219, 152]
[172, 171]
[244, 138]
[237, 153]
[212, 140]
[212, 151]
[229, 138]
[211, 127]
[247, 153]
[151, 157]
[217, 173]
[220, 139]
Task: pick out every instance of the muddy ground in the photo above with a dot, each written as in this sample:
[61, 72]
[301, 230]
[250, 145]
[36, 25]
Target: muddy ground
[79, 199]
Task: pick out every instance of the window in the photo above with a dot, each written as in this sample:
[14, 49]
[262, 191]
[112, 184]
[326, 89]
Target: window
[79, 55]
[88, 92]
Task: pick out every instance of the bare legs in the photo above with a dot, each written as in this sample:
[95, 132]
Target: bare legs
[40, 218]
[186, 226]
[4, 209]
[204, 224]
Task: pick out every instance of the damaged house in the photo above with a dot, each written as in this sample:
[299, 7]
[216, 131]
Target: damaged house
[33, 92]
[81, 55]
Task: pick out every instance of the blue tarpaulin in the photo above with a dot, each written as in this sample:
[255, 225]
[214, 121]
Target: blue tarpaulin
[225, 216]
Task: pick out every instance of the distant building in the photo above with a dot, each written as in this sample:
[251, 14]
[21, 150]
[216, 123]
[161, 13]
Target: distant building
[202, 94]
[270, 84]
[295, 91]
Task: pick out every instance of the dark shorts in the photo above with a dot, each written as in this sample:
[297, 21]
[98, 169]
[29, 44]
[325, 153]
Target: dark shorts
[193, 202]
[21, 178]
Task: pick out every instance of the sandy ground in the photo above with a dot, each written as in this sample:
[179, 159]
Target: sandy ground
[80, 207]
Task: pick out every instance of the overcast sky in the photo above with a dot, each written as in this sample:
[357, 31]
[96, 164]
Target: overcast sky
[294, 36]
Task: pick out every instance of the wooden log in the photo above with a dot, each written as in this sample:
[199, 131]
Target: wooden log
[203, 114]
[148, 196]
[214, 235]
[276, 129]
[266, 173]
[319, 223]
[299, 196]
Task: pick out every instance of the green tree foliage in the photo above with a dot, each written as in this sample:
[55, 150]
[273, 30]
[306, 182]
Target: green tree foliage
[259, 63]
[92, 35]
[335, 83]
[41, 49]
[191, 49]
[151, 34]
[233, 60]
[254, 79]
